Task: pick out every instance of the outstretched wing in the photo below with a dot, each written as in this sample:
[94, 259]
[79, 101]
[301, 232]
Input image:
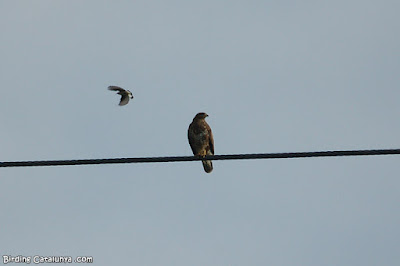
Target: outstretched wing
[124, 99]
[116, 88]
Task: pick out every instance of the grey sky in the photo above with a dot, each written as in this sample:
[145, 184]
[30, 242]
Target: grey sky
[274, 76]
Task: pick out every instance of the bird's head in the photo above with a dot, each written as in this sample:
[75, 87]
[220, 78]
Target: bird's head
[200, 116]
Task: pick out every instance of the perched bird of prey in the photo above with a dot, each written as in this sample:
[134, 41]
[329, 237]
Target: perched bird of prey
[201, 139]
[125, 94]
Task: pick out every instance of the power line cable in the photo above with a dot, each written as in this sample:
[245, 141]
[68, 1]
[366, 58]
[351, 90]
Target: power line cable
[208, 157]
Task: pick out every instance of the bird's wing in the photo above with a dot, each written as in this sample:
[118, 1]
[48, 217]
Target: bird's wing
[116, 88]
[211, 139]
[191, 139]
[124, 99]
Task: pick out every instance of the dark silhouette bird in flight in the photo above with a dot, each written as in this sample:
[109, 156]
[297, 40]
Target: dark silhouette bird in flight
[125, 94]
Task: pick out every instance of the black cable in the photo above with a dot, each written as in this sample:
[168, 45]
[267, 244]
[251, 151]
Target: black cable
[209, 157]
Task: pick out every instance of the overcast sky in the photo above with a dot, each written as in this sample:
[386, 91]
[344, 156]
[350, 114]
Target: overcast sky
[274, 76]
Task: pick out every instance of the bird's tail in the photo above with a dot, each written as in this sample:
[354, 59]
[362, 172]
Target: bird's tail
[207, 165]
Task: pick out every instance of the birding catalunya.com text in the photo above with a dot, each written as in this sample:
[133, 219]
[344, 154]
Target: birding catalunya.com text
[36, 259]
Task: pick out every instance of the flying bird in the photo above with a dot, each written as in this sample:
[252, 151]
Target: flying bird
[125, 94]
[201, 139]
